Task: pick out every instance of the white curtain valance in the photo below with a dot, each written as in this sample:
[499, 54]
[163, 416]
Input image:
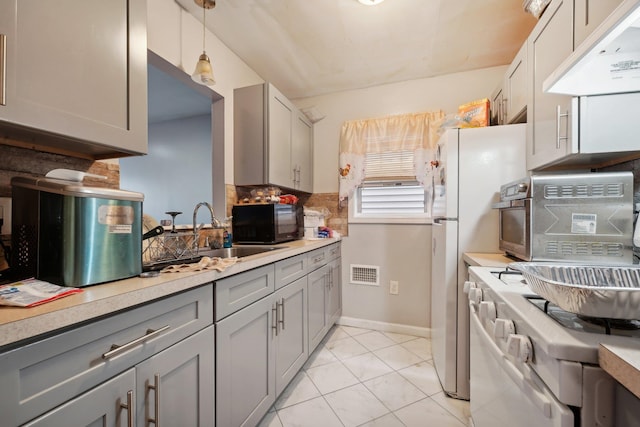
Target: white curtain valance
[415, 133]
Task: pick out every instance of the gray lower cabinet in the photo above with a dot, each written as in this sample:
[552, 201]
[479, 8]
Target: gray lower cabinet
[80, 376]
[107, 405]
[259, 349]
[170, 388]
[334, 299]
[325, 300]
[318, 320]
[176, 386]
[291, 333]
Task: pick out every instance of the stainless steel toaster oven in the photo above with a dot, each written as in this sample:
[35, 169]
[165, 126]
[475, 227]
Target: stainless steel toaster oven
[570, 217]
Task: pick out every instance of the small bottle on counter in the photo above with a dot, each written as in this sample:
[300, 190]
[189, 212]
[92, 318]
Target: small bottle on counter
[226, 239]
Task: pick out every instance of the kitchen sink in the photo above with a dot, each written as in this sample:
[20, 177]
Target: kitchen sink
[237, 251]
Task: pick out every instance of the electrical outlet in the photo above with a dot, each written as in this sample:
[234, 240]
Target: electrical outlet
[5, 215]
[393, 287]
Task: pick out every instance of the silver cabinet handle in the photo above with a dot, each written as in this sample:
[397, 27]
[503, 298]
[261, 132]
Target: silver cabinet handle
[274, 318]
[505, 113]
[156, 400]
[281, 319]
[117, 349]
[3, 69]
[559, 116]
[129, 407]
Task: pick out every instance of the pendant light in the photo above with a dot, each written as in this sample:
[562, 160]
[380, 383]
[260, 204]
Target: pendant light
[203, 73]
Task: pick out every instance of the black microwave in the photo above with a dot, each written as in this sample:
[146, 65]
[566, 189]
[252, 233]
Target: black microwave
[266, 223]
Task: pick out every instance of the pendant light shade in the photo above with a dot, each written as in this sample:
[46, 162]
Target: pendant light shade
[203, 73]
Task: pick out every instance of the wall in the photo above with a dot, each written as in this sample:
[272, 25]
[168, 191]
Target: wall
[176, 36]
[176, 174]
[402, 251]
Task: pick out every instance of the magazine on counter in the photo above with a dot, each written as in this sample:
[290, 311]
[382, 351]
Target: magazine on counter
[32, 292]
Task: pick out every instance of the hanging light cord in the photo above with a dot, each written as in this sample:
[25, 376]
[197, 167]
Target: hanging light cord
[204, 26]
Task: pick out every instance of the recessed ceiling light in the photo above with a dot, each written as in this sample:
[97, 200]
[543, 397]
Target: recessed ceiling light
[370, 2]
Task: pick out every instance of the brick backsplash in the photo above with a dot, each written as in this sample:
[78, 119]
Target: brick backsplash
[16, 161]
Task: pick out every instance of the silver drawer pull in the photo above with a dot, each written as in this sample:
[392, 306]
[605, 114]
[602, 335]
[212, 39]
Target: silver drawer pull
[318, 259]
[117, 349]
[129, 407]
[281, 320]
[156, 401]
[274, 318]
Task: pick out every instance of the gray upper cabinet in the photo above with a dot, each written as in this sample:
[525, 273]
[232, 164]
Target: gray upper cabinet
[509, 100]
[75, 78]
[588, 15]
[273, 140]
[548, 131]
[515, 88]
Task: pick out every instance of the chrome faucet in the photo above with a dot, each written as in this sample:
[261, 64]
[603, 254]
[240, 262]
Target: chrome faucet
[215, 222]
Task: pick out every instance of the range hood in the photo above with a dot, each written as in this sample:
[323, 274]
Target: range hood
[607, 62]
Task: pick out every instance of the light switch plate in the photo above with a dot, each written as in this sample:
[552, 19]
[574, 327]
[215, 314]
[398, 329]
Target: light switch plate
[5, 213]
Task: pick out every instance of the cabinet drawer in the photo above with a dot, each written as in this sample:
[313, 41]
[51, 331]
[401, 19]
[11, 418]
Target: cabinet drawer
[317, 258]
[290, 269]
[333, 251]
[40, 376]
[240, 290]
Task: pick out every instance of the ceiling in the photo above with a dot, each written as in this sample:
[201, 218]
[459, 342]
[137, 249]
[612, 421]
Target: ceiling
[308, 48]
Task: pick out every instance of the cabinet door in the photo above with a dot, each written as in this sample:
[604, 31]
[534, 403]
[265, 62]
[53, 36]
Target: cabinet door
[548, 131]
[515, 83]
[78, 70]
[292, 333]
[588, 15]
[101, 406]
[176, 386]
[496, 106]
[280, 124]
[334, 299]
[302, 154]
[245, 387]
[317, 303]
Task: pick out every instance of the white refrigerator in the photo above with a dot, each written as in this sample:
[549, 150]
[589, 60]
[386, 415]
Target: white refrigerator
[469, 168]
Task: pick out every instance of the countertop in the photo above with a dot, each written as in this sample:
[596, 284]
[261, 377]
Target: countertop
[623, 364]
[17, 324]
[486, 259]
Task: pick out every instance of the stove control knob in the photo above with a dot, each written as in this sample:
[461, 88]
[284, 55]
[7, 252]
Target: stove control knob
[519, 346]
[468, 285]
[487, 310]
[503, 328]
[475, 295]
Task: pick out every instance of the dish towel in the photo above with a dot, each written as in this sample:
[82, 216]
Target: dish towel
[206, 263]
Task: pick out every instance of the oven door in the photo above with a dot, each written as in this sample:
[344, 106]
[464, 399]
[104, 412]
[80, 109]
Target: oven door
[501, 396]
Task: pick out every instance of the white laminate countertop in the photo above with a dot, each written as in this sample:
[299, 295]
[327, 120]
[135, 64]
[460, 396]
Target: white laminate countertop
[623, 364]
[486, 259]
[17, 324]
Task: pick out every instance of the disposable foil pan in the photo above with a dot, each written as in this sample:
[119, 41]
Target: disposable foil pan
[609, 291]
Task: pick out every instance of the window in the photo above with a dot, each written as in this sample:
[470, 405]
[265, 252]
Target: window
[389, 190]
[384, 164]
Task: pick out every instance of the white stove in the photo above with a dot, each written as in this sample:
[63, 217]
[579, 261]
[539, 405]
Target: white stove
[534, 364]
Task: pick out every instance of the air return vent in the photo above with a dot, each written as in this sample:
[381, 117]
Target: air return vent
[365, 274]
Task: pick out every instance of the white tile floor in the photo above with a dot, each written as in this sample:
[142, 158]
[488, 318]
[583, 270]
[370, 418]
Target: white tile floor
[360, 377]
